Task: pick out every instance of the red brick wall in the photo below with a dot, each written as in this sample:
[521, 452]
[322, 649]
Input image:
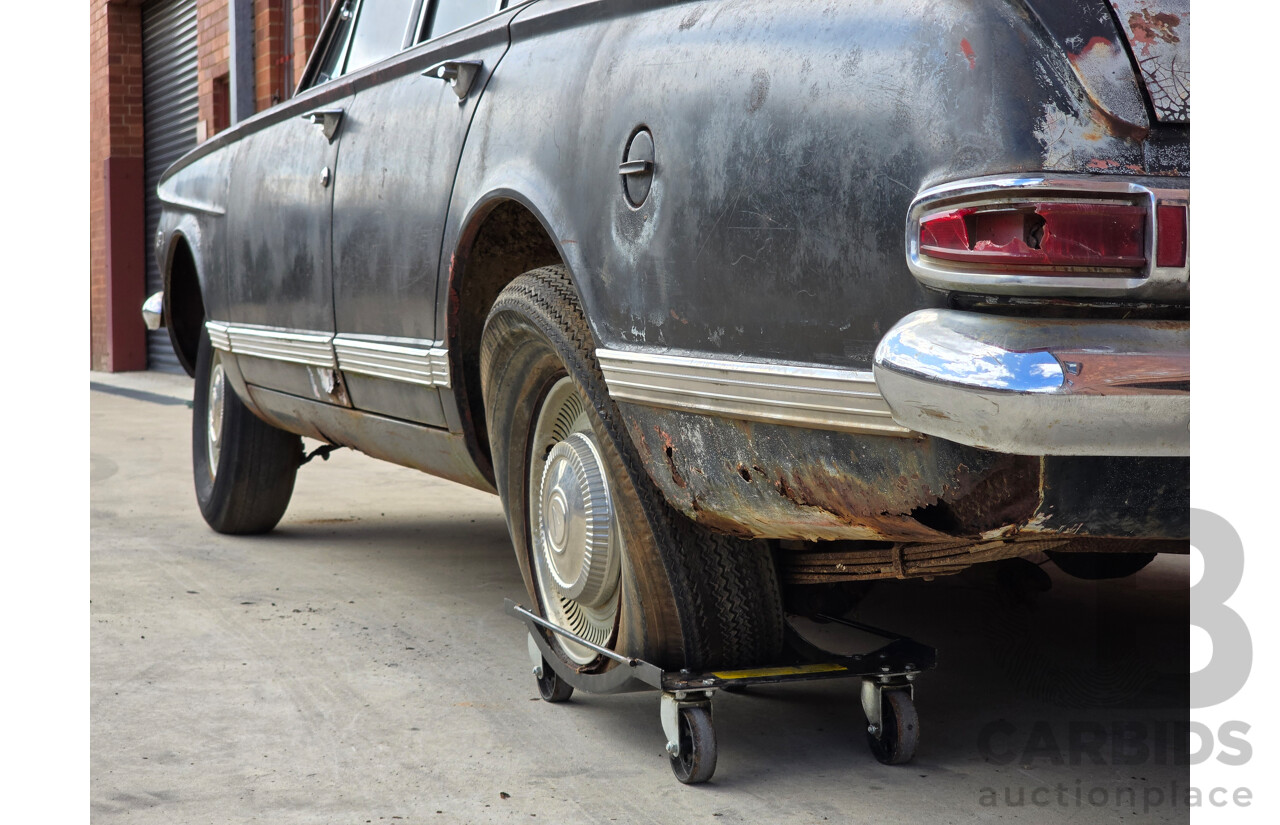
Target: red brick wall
[116, 339]
[269, 53]
[115, 118]
[98, 147]
[307, 18]
[213, 60]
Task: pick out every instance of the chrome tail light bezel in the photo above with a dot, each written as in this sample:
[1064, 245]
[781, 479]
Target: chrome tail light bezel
[1151, 283]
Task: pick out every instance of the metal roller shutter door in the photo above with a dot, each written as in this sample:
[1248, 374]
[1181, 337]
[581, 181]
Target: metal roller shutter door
[169, 114]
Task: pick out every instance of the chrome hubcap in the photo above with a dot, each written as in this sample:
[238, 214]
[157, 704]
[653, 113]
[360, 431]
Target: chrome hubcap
[217, 389]
[576, 520]
[576, 542]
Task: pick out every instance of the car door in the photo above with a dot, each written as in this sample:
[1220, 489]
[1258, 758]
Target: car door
[400, 148]
[280, 322]
[280, 256]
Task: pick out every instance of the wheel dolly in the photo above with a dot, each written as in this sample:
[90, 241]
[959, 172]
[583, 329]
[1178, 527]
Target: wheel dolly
[887, 675]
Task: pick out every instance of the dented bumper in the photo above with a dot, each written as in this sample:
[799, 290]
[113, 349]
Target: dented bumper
[1040, 387]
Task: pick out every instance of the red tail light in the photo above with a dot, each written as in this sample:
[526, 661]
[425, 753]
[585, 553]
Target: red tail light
[1075, 236]
[1061, 235]
[1171, 235]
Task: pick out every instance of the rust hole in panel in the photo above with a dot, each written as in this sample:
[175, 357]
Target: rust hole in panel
[668, 447]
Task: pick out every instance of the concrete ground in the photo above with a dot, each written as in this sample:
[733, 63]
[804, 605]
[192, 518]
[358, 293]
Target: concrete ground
[355, 666]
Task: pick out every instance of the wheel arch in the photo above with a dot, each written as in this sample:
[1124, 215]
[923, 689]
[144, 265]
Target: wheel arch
[184, 305]
[503, 235]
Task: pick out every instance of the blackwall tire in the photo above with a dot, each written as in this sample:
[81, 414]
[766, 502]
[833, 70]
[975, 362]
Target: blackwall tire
[684, 597]
[244, 468]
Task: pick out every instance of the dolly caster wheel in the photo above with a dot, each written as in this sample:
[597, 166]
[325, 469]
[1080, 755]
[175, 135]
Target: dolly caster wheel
[895, 740]
[696, 760]
[550, 686]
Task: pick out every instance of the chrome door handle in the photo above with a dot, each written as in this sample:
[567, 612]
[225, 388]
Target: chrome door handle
[459, 74]
[327, 119]
[636, 167]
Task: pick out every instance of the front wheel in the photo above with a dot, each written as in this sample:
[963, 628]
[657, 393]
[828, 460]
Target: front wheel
[244, 468]
[602, 553]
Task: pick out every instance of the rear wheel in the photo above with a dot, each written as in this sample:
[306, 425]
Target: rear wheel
[601, 552]
[244, 468]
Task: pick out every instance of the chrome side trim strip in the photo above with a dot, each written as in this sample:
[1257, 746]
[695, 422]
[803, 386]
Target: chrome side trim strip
[397, 359]
[218, 335]
[379, 358]
[314, 349]
[817, 397]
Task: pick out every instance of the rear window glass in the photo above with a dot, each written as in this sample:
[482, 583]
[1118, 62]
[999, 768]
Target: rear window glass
[380, 31]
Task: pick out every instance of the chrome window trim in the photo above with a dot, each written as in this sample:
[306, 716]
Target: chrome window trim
[1156, 283]
[804, 396]
[307, 81]
[414, 24]
[341, 66]
[424, 16]
[394, 359]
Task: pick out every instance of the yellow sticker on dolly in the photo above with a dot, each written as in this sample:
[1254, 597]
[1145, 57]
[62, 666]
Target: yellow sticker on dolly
[800, 670]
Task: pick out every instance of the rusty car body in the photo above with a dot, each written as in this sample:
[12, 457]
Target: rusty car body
[833, 291]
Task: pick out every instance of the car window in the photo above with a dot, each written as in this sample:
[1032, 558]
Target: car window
[331, 65]
[380, 31]
[454, 14]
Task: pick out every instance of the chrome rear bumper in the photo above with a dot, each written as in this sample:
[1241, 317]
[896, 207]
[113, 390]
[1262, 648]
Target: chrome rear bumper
[1040, 387]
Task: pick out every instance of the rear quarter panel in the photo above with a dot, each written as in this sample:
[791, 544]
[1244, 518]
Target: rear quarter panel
[790, 138]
